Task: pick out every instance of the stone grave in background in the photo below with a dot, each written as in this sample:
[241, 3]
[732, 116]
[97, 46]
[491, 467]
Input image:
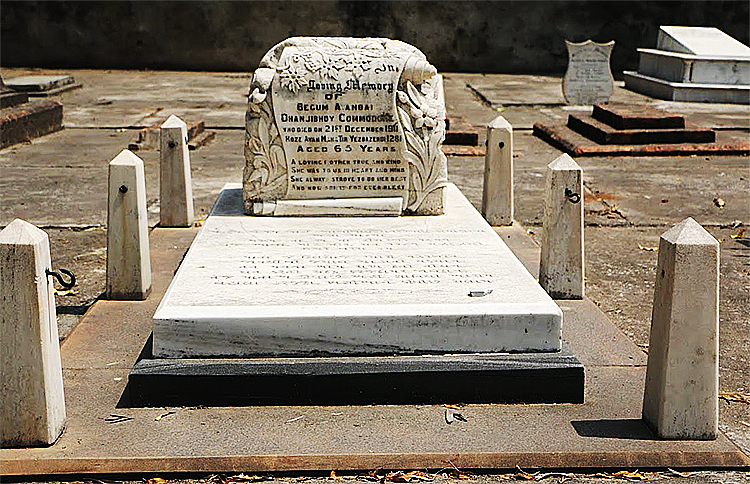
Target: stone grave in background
[623, 129]
[148, 138]
[700, 64]
[21, 120]
[588, 79]
[43, 86]
[345, 268]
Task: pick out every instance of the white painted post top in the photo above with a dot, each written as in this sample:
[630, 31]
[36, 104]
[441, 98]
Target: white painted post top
[500, 123]
[174, 122]
[564, 163]
[126, 158]
[21, 232]
[689, 232]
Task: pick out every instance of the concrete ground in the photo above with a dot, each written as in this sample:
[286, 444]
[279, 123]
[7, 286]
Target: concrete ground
[58, 182]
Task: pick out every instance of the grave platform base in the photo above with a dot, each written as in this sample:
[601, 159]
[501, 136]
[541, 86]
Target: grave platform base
[358, 380]
[575, 144]
[24, 122]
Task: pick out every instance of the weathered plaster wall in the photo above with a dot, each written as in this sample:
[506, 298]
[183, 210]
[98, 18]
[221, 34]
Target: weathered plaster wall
[488, 36]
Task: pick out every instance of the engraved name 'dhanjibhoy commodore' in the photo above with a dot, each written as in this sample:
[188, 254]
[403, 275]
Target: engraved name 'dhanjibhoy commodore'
[345, 118]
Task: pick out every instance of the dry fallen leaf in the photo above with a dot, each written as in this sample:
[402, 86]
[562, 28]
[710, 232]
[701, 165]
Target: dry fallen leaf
[680, 474]
[738, 396]
[161, 416]
[65, 292]
[525, 476]
[740, 234]
[244, 478]
[632, 476]
[635, 476]
[156, 480]
[719, 202]
[648, 249]
[413, 476]
[457, 474]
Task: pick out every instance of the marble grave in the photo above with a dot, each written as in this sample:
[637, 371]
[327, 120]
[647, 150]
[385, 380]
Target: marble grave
[698, 64]
[345, 256]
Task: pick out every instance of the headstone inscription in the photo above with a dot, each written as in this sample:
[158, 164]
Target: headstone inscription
[588, 79]
[345, 118]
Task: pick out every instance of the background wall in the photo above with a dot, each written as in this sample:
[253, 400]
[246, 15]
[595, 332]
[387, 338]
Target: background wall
[484, 36]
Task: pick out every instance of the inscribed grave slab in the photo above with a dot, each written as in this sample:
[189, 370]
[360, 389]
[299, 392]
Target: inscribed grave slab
[298, 286]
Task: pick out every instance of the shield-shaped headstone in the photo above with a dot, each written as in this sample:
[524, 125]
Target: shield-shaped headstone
[588, 79]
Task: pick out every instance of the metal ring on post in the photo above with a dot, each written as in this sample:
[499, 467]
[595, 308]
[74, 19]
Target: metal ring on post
[65, 285]
[572, 196]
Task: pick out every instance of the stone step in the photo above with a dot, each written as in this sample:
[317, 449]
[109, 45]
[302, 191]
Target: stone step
[459, 131]
[384, 380]
[148, 138]
[201, 139]
[686, 91]
[627, 116]
[575, 144]
[689, 68]
[25, 122]
[606, 135]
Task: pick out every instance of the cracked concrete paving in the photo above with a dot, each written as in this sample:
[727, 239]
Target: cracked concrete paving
[59, 182]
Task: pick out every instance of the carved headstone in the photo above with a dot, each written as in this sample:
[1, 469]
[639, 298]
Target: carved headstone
[588, 79]
[333, 118]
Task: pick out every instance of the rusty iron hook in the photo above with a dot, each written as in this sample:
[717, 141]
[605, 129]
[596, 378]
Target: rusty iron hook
[56, 275]
[572, 196]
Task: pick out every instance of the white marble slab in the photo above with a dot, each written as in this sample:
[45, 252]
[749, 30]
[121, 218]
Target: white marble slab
[366, 285]
[703, 41]
[677, 67]
[687, 91]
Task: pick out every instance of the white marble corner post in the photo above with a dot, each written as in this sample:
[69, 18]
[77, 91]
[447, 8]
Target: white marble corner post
[681, 397]
[32, 405]
[175, 188]
[128, 263]
[561, 265]
[497, 196]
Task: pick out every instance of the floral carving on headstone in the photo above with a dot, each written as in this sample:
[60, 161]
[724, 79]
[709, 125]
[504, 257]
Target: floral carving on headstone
[265, 172]
[422, 118]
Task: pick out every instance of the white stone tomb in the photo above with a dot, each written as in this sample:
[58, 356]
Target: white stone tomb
[253, 286]
[700, 64]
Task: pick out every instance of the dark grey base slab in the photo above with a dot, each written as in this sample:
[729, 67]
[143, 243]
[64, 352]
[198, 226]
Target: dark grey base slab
[496, 378]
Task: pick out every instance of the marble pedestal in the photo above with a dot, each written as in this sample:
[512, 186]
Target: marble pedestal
[363, 310]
